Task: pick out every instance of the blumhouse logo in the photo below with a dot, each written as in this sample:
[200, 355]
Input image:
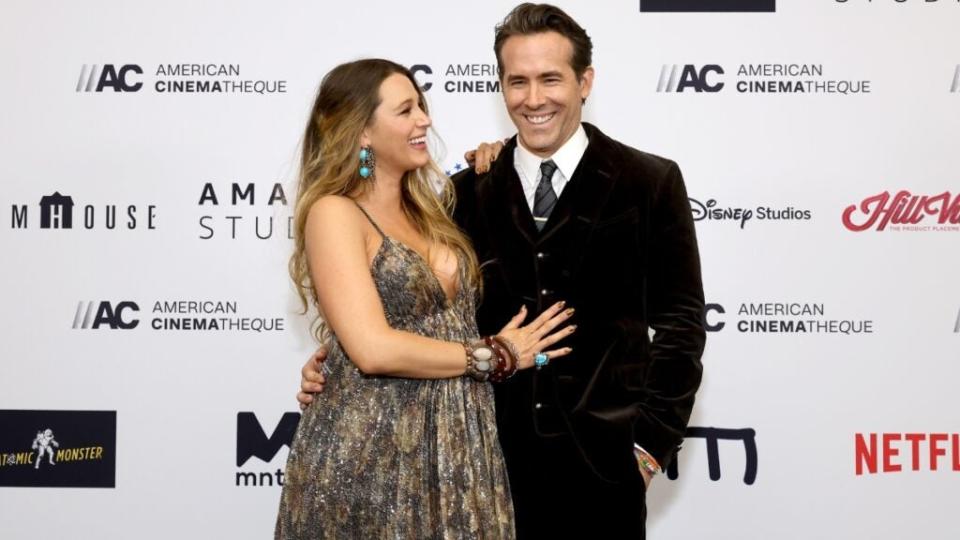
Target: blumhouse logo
[708, 6]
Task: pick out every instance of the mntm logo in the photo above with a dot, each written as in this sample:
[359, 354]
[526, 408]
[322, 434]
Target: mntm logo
[94, 78]
[678, 77]
[747, 436]
[955, 87]
[708, 6]
[252, 441]
[94, 315]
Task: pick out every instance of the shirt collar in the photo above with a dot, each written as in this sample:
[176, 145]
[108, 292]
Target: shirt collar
[567, 157]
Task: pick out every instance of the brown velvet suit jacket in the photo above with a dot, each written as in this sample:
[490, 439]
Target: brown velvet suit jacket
[620, 247]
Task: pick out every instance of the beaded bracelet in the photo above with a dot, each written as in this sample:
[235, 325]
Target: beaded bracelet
[511, 358]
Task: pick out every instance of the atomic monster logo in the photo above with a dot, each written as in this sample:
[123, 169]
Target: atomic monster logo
[44, 443]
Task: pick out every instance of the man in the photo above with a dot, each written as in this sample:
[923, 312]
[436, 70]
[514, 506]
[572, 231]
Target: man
[566, 213]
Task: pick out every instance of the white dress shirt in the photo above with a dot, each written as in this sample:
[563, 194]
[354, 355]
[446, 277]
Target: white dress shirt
[567, 157]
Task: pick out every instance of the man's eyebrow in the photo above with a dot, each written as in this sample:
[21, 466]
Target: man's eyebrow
[550, 74]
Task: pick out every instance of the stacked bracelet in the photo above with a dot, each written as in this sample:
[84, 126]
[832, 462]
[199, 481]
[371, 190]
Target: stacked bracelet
[508, 353]
[480, 360]
[490, 359]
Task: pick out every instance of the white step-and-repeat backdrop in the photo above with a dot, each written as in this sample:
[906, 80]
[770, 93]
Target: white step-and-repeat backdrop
[151, 342]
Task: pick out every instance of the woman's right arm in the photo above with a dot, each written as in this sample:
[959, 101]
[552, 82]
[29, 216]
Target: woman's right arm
[340, 272]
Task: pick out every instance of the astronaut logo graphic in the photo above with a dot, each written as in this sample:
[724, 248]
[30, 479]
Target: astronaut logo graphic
[44, 444]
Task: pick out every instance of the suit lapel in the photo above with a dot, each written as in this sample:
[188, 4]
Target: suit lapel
[586, 193]
[509, 213]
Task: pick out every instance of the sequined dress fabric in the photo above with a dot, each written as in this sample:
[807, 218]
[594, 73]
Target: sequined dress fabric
[384, 457]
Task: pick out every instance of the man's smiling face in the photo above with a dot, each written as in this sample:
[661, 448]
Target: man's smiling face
[542, 93]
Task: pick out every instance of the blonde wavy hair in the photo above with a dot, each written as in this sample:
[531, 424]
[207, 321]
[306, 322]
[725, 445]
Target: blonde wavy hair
[346, 101]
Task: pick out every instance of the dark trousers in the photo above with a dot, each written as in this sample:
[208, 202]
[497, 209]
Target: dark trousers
[557, 495]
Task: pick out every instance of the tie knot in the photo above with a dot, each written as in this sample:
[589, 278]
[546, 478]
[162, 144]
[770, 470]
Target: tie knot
[547, 168]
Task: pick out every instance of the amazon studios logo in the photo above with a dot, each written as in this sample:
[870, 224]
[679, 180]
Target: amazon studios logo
[704, 6]
[232, 211]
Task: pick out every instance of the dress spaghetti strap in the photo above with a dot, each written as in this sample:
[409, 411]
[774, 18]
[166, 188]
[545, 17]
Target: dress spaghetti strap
[370, 219]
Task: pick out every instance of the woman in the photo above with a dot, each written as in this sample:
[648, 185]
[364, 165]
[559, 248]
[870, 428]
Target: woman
[402, 443]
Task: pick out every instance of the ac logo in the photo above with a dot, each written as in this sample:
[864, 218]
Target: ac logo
[677, 78]
[94, 315]
[94, 78]
[715, 326]
[422, 68]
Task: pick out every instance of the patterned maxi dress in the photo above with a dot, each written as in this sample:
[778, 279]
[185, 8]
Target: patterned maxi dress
[384, 457]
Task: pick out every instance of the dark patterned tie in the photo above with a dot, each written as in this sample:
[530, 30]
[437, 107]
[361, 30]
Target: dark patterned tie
[545, 198]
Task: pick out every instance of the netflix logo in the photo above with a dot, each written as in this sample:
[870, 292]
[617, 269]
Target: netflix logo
[895, 452]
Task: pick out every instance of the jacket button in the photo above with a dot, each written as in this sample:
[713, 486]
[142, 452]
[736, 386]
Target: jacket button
[538, 405]
[545, 292]
[541, 255]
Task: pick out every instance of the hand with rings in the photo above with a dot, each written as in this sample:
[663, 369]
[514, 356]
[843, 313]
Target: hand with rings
[532, 340]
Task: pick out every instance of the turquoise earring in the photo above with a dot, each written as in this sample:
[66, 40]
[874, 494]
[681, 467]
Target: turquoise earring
[367, 162]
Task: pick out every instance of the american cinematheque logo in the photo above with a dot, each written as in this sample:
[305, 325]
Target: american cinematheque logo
[800, 317]
[757, 79]
[211, 78]
[904, 212]
[461, 78]
[173, 315]
[58, 448]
